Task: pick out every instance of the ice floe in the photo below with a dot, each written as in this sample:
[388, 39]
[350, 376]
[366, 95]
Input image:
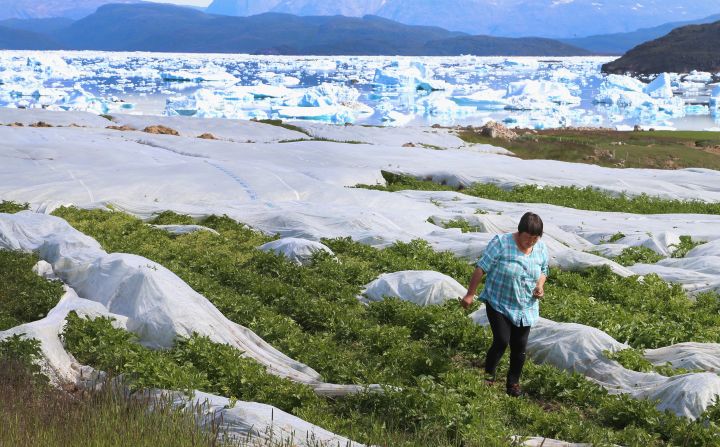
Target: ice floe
[523, 92]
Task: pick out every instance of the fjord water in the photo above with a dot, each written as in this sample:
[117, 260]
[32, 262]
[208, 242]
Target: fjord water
[467, 90]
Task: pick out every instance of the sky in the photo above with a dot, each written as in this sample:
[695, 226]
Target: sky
[185, 2]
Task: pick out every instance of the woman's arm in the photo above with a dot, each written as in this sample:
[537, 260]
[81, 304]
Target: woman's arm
[539, 291]
[472, 288]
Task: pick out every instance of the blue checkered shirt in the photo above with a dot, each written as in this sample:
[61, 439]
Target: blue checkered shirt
[511, 278]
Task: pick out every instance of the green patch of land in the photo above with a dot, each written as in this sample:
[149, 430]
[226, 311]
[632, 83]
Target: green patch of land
[588, 198]
[610, 148]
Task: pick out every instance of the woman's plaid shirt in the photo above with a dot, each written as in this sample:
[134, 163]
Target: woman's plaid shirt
[512, 277]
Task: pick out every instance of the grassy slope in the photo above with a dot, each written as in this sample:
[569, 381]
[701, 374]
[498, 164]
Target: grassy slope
[656, 149]
[432, 354]
[568, 196]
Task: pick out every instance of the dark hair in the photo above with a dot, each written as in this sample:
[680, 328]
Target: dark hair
[531, 223]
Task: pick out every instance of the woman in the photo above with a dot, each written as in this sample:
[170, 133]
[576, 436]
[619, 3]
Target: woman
[516, 265]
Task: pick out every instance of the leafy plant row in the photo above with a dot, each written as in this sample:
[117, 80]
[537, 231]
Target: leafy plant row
[26, 297]
[429, 356]
[587, 198]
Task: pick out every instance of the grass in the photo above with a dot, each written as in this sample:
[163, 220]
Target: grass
[33, 415]
[588, 198]
[656, 149]
[280, 123]
[430, 356]
[321, 139]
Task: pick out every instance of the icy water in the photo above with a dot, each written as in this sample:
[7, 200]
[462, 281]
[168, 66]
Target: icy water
[468, 90]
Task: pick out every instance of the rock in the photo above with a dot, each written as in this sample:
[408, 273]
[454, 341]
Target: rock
[161, 130]
[41, 124]
[207, 136]
[496, 130]
[408, 145]
[124, 127]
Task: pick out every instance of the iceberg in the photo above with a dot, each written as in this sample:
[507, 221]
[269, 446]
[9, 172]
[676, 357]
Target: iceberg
[328, 94]
[486, 99]
[661, 87]
[623, 83]
[209, 74]
[715, 97]
[533, 95]
[699, 76]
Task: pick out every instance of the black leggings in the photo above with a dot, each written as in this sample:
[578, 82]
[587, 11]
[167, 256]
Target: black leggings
[504, 333]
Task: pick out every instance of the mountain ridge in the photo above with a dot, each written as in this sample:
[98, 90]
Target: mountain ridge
[167, 28]
[509, 18]
[693, 47]
[619, 43]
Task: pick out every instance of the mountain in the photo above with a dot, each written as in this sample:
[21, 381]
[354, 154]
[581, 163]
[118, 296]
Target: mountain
[14, 39]
[38, 9]
[42, 26]
[509, 18]
[619, 43]
[500, 46]
[167, 28]
[350, 8]
[694, 47]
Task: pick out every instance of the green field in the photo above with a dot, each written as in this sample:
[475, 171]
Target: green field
[431, 357]
[610, 148]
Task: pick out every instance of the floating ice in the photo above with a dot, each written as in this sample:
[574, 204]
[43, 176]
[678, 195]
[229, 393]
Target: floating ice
[698, 76]
[661, 87]
[532, 95]
[485, 99]
[715, 97]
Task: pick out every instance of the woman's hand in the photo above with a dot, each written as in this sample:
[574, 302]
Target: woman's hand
[539, 292]
[467, 300]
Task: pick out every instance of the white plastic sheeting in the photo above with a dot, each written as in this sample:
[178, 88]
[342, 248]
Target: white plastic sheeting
[579, 348]
[691, 356]
[423, 288]
[301, 189]
[184, 229]
[298, 251]
[158, 306]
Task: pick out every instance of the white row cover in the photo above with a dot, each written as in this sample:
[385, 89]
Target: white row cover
[298, 251]
[158, 306]
[423, 288]
[301, 189]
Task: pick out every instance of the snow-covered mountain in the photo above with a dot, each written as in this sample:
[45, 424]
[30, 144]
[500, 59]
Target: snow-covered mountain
[356, 8]
[547, 18]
